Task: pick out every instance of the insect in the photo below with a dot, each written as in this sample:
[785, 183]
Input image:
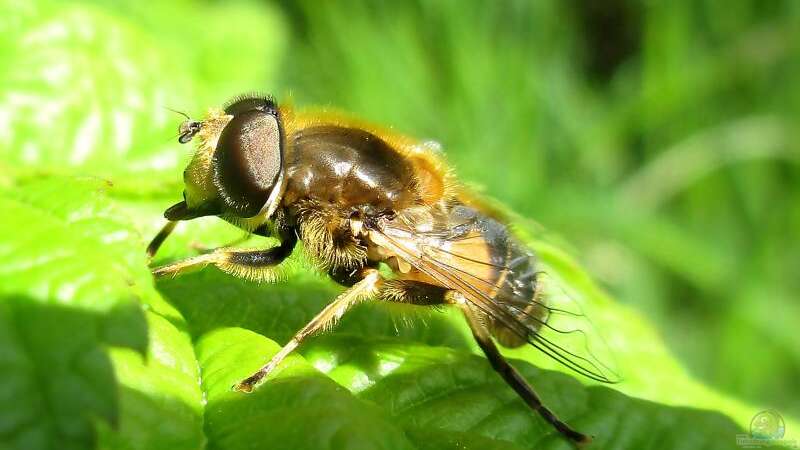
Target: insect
[359, 197]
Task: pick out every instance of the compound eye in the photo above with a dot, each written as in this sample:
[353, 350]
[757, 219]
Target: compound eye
[241, 105]
[247, 161]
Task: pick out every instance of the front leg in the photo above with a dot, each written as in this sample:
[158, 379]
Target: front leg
[255, 265]
[155, 244]
[366, 288]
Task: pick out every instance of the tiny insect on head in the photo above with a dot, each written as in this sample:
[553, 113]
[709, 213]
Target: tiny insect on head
[188, 128]
[238, 168]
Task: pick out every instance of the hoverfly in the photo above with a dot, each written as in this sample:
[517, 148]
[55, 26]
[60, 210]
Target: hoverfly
[358, 197]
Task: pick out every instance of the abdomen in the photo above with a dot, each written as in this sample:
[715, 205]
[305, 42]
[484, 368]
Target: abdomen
[506, 268]
[463, 249]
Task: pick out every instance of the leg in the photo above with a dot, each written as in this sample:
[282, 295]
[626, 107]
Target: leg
[155, 244]
[362, 290]
[509, 373]
[256, 265]
[413, 292]
[199, 247]
[159, 239]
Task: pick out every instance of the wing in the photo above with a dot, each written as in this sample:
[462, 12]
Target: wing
[476, 256]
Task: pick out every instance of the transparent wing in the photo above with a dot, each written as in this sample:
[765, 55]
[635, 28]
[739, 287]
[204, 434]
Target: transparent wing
[565, 333]
[505, 286]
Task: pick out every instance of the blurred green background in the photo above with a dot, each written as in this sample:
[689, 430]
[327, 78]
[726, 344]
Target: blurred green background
[658, 139]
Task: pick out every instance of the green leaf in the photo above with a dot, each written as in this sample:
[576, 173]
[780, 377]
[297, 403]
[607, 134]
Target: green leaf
[421, 387]
[93, 353]
[450, 396]
[89, 86]
[210, 299]
[59, 305]
[299, 408]
[160, 400]
[439, 389]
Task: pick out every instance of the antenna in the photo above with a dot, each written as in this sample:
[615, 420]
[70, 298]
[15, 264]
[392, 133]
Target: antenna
[179, 112]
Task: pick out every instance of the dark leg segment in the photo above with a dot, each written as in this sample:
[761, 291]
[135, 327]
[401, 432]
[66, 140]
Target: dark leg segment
[271, 257]
[159, 239]
[512, 376]
[346, 276]
[413, 292]
[256, 265]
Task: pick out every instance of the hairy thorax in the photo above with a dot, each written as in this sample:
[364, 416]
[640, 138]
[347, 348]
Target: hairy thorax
[347, 169]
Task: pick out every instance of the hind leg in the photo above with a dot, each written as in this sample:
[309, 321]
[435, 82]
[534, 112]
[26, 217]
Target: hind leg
[508, 372]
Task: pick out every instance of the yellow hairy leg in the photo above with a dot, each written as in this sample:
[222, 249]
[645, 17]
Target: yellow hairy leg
[365, 289]
[255, 265]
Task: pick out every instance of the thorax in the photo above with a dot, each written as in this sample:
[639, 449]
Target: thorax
[348, 167]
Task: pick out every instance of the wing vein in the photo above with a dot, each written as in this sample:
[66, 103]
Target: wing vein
[453, 278]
